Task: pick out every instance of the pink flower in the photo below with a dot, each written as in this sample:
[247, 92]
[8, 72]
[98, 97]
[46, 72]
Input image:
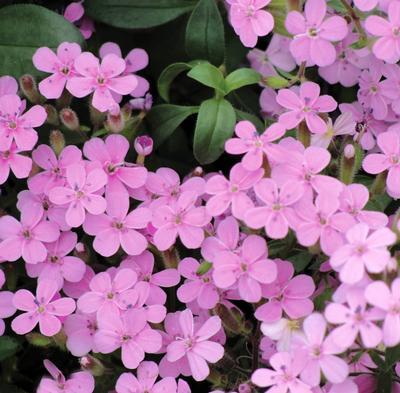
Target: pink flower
[194, 344]
[256, 147]
[110, 154]
[41, 309]
[100, 79]
[389, 159]
[379, 295]
[131, 333]
[82, 381]
[248, 270]
[284, 376]
[18, 127]
[80, 193]
[105, 294]
[147, 374]
[387, 46]
[250, 20]
[362, 251]
[60, 65]
[354, 319]
[7, 308]
[276, 214]
[74, 13]
[320, 353]
[305, 106]
[182, 219]
[19, 164]
[8, 85]
[26, 238]
[287, 293]
[232, 192]
[143, 145]
[313, 34]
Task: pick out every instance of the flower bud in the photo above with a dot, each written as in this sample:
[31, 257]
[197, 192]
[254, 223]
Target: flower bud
[126, 111]
[142, 104]
[92, 364]
[96, 117]
[28, 86]
[244, 388]
[38, 340]
[143, 145]
[57, 141]
[350, 163]
[81, 252]
[349, 151]
[115, 122]
[70, 119]
[52, 115]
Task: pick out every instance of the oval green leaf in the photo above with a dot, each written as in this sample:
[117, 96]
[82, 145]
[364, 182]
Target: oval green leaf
[241, 77]
[208, 75]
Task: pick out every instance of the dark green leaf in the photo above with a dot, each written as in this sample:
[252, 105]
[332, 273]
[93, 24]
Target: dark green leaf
[165, 119]
[26, 27]
[208, 75]
[214, 126]
[321, 300]
[168, 75]
[8, 347]
[137, 14]
[205, 38]
[300, 260]
[392, 356]
[241, 77]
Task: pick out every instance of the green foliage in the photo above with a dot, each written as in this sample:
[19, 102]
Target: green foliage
[8, 347]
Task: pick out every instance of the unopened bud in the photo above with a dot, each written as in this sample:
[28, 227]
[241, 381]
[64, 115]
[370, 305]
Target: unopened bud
[52, 115]
[244, 388]
[38, 340]
[115, 122]
[57, 141]
[143, 145]
[70, 119]
[142, 104]
[198, 172]
[81, 252]
[126, 111]
[96, 117]
[350, 163]
[28, 86]
[92, 364]
[349, 151]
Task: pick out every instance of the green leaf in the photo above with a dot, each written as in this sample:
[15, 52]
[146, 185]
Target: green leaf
[240, 115]
[300, 260]
[361, 43]
[214, 126]
[337, 5]
[241, 77]
[167, 77]
[8, 347]
[205, 38]
[204, 268]
[26, 27]
[392, 356]
[166, 118]
[276, 82]
[208, 75]
[137, 14]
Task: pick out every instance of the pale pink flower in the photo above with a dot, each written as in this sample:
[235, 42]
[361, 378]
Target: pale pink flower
[80, 194]
[7, 308]
[145, 382]
[379, 295]
[60, 65]
[284, 377]
[19, 164]
[282, 332]
[100, 79]
[287, 293]
[81, 381]
[131, 333]
[18, 126]
[41, 309]
[314, 34]
[25, 238]
[8, 85]
[194, 344]
[256, 147]
[248, 269]
[182, 218]
[250, 20]
[232, 192]
[276, 214]
[74, 13]
[305, 106]
[362, 251]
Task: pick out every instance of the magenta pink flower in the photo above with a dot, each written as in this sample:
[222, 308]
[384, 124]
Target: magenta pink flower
[194, 344]
[82, 381]
[354, 319]
[248, 270]
[250, 20]
[305, 106]
[287, 293]
[110, 154]
[182, 219]
[147, 374]
[100, 79]
[379, 295]
[12, 160]
[387, 46]
[8, 85]
[143, 145]
[26, 238]
[362, 251]
[255, 146]
[105, 292]
[54, 173]
[314, 34]
[284, 376]
[131, 333]
[60, 65]
[42, 309]
[277, 213]
[232, 192]
[80, 193]
[16, 126]
[389, 159]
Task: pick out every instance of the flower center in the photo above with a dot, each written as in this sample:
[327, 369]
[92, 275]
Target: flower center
[312, 32]
[54, 259]
[110, 295]
[234, 188]
[64, 70]
[12, 125]
[396, 31]
[41, 309]
[394, 159]
[26, 234]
